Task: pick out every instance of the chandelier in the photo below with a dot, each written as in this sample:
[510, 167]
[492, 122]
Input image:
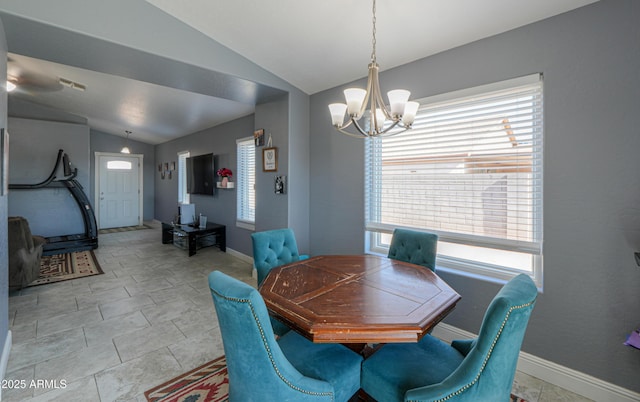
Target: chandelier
[383, 120]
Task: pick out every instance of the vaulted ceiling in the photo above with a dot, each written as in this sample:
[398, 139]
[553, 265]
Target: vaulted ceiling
[312, 46]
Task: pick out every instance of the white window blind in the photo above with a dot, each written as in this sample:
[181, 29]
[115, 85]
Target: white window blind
[246, 200]
[470, 170]
[183, 196]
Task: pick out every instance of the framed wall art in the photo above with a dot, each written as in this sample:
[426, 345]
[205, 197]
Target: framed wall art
[258, 137]
[280, 185]
[270, 159]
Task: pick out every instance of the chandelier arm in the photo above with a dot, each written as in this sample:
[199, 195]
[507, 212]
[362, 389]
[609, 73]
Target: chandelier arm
[374, 87]
[360, 129]
[360, 134]
[363, 107]
[349, 122]
[392, 134]
[378, 95]
[392, 126]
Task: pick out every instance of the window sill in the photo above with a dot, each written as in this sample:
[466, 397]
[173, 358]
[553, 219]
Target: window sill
[246, 225]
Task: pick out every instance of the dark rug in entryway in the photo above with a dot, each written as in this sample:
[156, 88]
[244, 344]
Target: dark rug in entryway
[123, 229]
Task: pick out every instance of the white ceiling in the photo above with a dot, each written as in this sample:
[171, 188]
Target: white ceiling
[316, 45]
[313, 45]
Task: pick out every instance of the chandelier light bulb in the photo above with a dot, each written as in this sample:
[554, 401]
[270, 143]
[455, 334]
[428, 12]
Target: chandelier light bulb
[410, 111]
[379, 120]
[337, 113]
[397, 100]
[355, 98]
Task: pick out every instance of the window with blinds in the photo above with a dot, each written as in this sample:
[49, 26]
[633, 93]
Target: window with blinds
[470, 170]
[183, 195]
[246, 179]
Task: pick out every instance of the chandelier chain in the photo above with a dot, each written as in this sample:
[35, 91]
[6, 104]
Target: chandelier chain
[373, 41]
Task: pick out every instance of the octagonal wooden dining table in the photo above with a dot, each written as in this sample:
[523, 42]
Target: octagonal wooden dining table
[357, 299]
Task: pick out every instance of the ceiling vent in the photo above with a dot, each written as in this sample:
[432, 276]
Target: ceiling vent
[71, 84]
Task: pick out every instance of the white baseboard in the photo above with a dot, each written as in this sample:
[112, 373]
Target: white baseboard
[4, 359]
[245, 258]
[572, 380]
[239, 255]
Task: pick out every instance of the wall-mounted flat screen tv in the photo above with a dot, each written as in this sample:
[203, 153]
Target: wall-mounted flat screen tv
[201, 174]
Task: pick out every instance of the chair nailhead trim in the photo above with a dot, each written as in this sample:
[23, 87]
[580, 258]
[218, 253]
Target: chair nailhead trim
[486, 359]
[266, 346]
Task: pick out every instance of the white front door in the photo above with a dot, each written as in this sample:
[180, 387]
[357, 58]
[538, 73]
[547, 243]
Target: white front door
[118, 190]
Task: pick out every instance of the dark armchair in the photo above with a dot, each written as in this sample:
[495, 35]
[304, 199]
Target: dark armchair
[25, 252]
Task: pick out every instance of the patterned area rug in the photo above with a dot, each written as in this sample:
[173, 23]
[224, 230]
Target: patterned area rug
[123, 229]
[62, 267]
[207, 383]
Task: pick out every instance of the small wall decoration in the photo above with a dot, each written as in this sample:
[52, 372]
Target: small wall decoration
[225, 177]
[166, 169]
[258, 137]
[279, 185]
[270, 159]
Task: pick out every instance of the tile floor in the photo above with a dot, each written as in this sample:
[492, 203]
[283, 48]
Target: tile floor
[149, 318]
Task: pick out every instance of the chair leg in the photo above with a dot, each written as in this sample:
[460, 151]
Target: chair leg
[361, 396]
[364, 349]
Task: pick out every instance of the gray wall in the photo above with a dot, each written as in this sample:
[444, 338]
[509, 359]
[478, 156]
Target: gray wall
[34, 146]
[34, 149]
[271, 208]
[590, 59]
[4, 262]
[298, 182]
[221, 207]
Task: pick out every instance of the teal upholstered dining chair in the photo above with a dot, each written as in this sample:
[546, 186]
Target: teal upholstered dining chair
[418, 248]
[261, 368]
[480, 369]
[272, 248]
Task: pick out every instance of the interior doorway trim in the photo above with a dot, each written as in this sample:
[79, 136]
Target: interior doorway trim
[96, 181]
